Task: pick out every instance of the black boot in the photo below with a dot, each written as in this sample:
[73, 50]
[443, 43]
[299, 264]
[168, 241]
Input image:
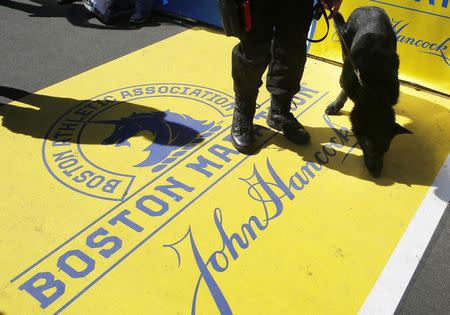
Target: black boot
[281, 119]
[242, 127]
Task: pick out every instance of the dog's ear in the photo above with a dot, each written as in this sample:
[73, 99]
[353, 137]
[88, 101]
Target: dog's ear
[398, 130]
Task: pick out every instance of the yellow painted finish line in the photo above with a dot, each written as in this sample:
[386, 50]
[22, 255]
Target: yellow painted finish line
[122, 194]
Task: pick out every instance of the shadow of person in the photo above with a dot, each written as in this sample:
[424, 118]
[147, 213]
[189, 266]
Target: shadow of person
[75, 14]
[162, 128]
[43, 8]
[411, 160]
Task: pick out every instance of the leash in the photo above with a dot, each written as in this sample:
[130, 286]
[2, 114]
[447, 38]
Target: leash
[347, 53]
[319, 10]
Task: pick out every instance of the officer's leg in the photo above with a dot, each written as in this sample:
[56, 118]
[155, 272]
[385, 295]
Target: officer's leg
[292, 22]
[249, 61]
[142, 11]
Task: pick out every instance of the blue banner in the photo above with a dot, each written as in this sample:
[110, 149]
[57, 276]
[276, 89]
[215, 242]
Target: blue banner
[206, 11]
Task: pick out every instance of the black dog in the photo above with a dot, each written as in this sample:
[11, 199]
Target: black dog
[372, 57]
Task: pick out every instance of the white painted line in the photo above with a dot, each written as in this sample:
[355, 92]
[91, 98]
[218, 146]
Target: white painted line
[391, 284]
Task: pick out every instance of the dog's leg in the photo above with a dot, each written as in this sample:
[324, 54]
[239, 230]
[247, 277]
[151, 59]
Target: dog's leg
[335, 107]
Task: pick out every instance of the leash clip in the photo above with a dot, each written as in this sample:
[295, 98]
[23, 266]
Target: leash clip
[358, 75]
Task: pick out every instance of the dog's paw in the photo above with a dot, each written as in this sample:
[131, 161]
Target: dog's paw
[332, 109]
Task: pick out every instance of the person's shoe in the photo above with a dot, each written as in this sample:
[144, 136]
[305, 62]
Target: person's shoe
[289, 125]
[139, 18]
[242, 131]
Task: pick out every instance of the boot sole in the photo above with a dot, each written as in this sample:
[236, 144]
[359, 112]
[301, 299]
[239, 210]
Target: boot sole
[245, 150]
[273, 125]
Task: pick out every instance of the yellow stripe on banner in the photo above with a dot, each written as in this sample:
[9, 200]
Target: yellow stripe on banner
[122, 194]
[423, 39]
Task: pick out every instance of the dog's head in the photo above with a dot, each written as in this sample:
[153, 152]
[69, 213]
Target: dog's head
[374, 130]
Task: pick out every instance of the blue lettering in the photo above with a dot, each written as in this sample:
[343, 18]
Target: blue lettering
[432, 48]
[111, 185]
[95, 181]
[67, 163]
[261, 115]
[213, 287]
[221, 101]
[196, 92]
[122, 217]
[38, 291]
[444, 3]
[163, 206]
[341, 132]
[442, 45]
[229, 106]
[72, 272]
[150, 90]
[320, 160]
[298, 182]
[222, 152]
[203, 163]
[116, 243]
[163, 89]
[82, 177]
[166, 189]
[215, 263]
[63, 155]
[69, 173]
[138, 92]
[242, 243]
[213, 97]
[185, 90]
[206, 93]
[125, 94]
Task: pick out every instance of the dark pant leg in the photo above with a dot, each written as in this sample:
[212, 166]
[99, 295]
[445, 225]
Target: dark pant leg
[293, 19]
[251, 56]
[144, 7]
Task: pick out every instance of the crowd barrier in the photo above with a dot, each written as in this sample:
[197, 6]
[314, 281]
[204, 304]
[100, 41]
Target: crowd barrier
[423, 37]
[201, 10]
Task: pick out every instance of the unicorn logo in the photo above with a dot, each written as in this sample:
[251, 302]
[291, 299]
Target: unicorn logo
[173, 134]
[109, 147]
